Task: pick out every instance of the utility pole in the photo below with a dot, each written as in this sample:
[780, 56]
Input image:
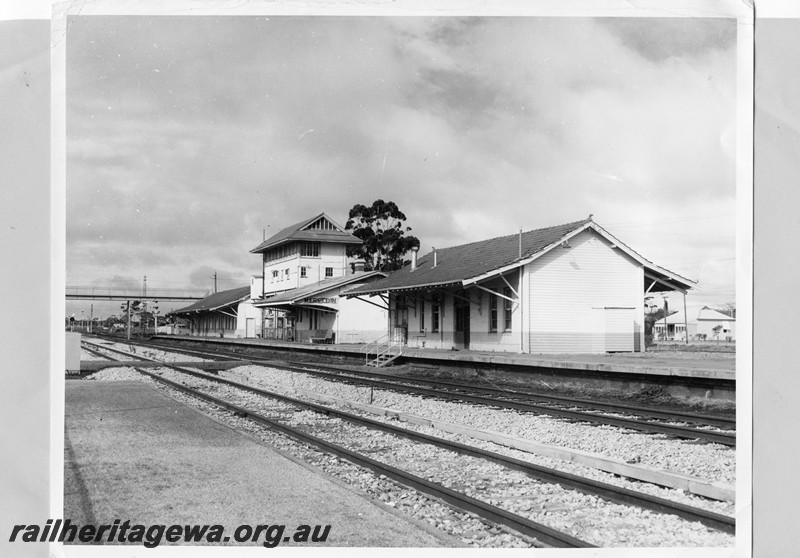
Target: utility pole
[91, 318]
[685, 320]
[144, 293]
[129, 320]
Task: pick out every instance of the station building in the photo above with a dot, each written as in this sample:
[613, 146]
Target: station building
[224, 314]
[305, 271]
[320, 314]
[572, 288]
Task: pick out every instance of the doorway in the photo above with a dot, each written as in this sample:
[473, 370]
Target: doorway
[461, 306]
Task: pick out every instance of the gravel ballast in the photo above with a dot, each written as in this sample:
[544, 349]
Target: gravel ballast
[585, 516]
[712, 462]
[595, 520]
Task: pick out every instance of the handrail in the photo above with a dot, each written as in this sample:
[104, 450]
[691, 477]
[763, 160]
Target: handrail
[382, 346]
[377, 342]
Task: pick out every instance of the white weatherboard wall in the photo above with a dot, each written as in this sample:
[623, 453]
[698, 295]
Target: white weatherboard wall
[707, 327]
[480, 336]
[587, 298]
[359, 321]
[331, 255]
[246, 311]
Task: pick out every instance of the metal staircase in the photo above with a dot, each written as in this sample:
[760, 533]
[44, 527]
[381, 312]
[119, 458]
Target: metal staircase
[384, 350]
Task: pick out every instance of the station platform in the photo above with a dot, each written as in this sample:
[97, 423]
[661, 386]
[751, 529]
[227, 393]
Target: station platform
[691, 365]
[133, 453]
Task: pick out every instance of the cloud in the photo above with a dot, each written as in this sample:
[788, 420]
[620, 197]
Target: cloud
[187, 137]
[664, 38]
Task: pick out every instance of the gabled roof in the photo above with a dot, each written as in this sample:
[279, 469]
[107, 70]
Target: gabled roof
[216, 301]
[457, 263]
[471, 263]
[707, 313]
[300, 293]
[305, 230]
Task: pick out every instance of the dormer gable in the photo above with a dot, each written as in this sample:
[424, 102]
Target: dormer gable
[323, 223]
[319, 228]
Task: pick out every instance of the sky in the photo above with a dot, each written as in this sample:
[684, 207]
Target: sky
[190, 138]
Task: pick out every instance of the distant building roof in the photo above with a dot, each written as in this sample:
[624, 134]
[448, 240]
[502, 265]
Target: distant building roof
[707, 313]
[319, 228]
[216, 301]
[470, 263]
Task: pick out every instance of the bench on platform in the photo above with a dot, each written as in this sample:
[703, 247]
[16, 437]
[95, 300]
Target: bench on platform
[322, 340]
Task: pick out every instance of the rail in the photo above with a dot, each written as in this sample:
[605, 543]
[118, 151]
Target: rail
[609, 492]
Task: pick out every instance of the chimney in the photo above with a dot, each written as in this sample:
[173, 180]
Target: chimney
[358, 266]
[414, 250]
[435, 260]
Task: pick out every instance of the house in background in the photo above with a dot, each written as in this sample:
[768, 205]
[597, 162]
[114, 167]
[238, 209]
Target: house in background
[674, 327]
[224, 314]
[699, 328]
[708, 319]
[571, 288]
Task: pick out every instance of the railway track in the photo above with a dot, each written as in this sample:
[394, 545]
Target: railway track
[546, 535]
[493, 513]
[675, 424]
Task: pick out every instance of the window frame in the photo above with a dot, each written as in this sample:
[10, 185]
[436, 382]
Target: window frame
[508, 310]
[309, 249]
[493, 310]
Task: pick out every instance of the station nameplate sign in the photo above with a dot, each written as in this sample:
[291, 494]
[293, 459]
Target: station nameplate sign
[320, 300]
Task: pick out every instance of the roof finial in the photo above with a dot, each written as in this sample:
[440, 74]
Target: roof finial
[590, 216]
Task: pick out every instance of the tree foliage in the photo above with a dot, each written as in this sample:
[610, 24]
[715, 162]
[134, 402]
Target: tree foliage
[145, 311]
[381, 228]
[729, 309]
[651, 319]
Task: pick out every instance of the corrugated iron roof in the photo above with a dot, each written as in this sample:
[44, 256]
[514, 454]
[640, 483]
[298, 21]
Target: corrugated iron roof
[216, 301]
[320, 287]
[707, 313]
[676, 317]
[457, 263]
[470, 262]
[295, 232]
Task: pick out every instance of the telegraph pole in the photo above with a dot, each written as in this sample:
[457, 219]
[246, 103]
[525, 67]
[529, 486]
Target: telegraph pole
[685, 320]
